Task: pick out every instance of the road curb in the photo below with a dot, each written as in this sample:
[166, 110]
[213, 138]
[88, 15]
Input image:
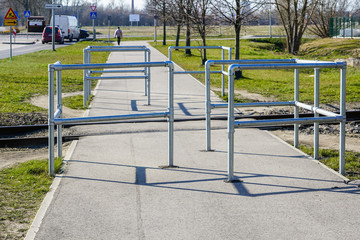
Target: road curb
[35, 226]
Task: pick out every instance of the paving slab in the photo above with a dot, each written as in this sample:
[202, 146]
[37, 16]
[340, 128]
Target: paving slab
[112, 187]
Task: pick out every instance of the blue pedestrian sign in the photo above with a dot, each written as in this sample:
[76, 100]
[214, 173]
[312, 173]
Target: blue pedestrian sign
[93, 15]
[27, 14]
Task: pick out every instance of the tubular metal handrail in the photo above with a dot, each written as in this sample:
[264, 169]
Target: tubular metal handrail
[209, 106]
[329, 116]
[87, 72]
[223, 49]
[55, 114]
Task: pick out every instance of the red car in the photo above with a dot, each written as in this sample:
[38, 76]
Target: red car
[46, 35]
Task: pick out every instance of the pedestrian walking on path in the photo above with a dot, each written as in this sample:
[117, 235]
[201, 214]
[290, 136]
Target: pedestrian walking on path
[118, 35]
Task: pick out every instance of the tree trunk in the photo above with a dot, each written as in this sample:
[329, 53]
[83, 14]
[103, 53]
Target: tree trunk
[164, 23]
[204, 44]
[238, 74]
[177, 35]
[164, 33]
[188, 51]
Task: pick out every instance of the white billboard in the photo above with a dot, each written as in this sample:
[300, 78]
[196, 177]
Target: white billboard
[134, 18]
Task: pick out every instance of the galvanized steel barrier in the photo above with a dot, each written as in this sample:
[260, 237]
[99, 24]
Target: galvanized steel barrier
[55, 117]
[328, 116]
[223, 49]
[209, 106]
[87, 72]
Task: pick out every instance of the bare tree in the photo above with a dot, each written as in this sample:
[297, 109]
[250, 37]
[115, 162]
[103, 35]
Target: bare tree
[294, 15]
[236, 13]
[325, 10]
[176, 11]
[199, 19]
[160, 8]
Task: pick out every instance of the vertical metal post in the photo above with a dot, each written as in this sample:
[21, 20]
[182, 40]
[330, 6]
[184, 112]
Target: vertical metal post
[149, 76]
[88, 82]
[51, 120]
[85, 71]
[171, 117]
[170, 53]
[296, 108]
[53, 28]
[145, 79]
[270, 32]
[155, 33]
[316, 104]
[343, 122]
[231, 125]
[222, 75]
[94, 31]
[208, 106]
[59, 107]
[10, 44]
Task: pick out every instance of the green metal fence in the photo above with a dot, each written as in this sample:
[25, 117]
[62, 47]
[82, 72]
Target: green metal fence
[345, 27]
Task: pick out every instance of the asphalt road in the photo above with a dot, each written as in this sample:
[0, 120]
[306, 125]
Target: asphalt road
[25, 44]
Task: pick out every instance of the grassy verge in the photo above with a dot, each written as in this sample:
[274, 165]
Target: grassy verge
[330, 158]
[76, 102]
[27, 75]
[277, 83]
[22, 189]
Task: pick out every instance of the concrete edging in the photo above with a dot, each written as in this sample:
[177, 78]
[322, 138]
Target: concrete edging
[35, 226]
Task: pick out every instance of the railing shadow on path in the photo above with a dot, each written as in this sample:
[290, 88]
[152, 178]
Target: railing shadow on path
[218, 175]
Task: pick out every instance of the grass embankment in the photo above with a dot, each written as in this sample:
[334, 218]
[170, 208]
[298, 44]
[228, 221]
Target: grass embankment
[275, 83]
[27, 76]
[278, 84]
[22, 189]
[23, 186]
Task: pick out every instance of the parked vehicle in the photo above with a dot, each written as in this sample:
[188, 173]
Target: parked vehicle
[68, 26]
[84, 33]
[47, 35]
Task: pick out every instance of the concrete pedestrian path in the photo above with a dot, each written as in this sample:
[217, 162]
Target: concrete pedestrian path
[112, 187]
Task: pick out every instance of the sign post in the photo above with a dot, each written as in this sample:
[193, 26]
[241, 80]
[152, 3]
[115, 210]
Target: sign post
[134, 18]
[53, 7]
[93, 16]
[10, 19]
[27, 14]
[109, 20]
[155, 23]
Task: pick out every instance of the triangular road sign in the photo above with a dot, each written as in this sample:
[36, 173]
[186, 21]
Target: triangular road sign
[10, 14]
[93, 8]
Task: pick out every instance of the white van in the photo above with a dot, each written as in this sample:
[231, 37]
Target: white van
[68, 25]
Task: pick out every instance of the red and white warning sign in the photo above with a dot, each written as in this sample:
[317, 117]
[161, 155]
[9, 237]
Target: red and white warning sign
[10, 14]
[93, 8]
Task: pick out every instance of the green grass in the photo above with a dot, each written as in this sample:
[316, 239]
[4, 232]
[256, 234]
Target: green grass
[76, 102]
[331, 159]
[27, 75]
[274, 83]
[22, 189]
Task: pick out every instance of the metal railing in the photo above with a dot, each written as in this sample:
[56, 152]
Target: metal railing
[56, 118]
[223, 49]
[87, 72]
[209, 106]
[328, 116]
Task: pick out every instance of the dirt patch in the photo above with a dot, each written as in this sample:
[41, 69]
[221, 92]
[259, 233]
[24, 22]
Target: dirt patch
[13, 119]
[11, 156]
[43, 101]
